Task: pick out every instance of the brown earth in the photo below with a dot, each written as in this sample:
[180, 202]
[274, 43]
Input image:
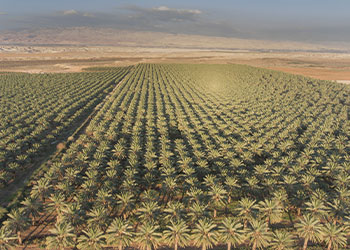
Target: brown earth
[54, 59]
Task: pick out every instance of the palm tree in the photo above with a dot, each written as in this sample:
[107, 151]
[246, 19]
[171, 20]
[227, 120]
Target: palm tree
[177, 234]
[6, 238]
[174, 211]
[72, 213]
[148, 237]
[217, 194]
[63, 236]
[148, 210]
[309, 228]
[197, 211]
[231, 184]
[98, 217]
[246, 209]
[56, 202]
[334, 236]
[31, 208]
[104, 197]
[258, 234]
[17, 222]
[41, 189]
[231, 232]
[316, 208]
[125, 201]
[271, 210]
[92, 239]
[204, 234]
[282, 240]
[119, 233]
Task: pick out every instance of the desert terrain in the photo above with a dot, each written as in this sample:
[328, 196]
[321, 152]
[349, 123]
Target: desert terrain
[73, 49]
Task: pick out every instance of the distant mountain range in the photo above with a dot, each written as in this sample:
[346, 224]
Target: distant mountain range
[87, 36]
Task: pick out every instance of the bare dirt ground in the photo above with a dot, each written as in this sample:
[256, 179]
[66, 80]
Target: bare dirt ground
[61, 59]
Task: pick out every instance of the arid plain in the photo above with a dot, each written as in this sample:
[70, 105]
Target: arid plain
[73, 49]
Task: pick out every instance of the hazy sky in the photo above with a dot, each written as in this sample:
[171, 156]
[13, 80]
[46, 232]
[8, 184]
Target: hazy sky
[302, 20]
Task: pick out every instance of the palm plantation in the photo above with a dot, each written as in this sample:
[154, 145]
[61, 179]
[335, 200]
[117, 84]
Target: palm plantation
[258, 160]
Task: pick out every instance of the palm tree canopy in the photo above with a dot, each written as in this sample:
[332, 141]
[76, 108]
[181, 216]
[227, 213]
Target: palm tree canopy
[148, 236]
[258, 233]
[93, 238]
[309, 228]
[177, 233]
[6, 238]
[63, 236]
[231, 231]
[120, 233]
[334, 235]
[205, 234]
[282, 240]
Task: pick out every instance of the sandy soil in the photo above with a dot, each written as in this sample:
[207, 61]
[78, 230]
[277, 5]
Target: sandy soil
[326, 66]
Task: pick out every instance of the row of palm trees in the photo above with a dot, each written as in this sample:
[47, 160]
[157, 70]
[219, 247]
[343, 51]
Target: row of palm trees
[204, 234]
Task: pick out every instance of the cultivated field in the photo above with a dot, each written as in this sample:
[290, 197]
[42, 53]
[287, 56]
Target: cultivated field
[177, 155]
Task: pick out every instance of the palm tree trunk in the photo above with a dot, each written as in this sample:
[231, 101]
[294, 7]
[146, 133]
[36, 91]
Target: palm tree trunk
[175, 247]
[299, 211]
[19, 237]
[229, 246]
[268, 223]
[305, 243]
[329, 245]
[254, 245]
[214, 213]
[203, 247]
[290, 218]
[120, 246]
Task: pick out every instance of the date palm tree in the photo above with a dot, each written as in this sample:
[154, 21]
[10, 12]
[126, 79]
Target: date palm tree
[98, 217]
[316, 208]
[334, 236]
[41, 189]
[72, 213]
[177, 234]
[17, 222]
[217, 194]
[149, 210]
[231, 184]
[125, 200]
[258, 234]
[197, 211]
[92, 239]
[63, 236]
[309, 228]
[120, 233]
[6, 239]
[173, 211]
[204, 234]
[271, 210]
[231, 232]
[57, 202]
[246, 208]
[31, 207]
[282, 240]
[148, 237]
